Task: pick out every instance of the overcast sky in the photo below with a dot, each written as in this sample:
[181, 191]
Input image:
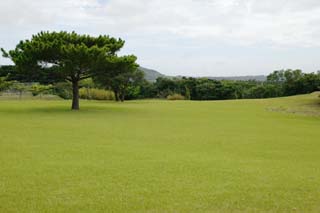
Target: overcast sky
[183, 37]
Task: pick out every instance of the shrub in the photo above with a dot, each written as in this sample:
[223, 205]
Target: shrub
[132, 92]
[96, 94]
[38, 89]
[187, 94]
[175, 96]
[63, 90]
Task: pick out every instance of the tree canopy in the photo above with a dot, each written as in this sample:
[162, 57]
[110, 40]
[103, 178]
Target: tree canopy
[69, 56]
[123, 73]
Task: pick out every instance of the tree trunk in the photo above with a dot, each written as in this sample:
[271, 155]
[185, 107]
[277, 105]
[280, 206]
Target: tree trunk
[116, 95]
[122, 97]
[75, 95]
[88, 94]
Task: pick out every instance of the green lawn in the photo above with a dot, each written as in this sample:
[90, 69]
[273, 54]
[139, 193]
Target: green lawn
[161, 156]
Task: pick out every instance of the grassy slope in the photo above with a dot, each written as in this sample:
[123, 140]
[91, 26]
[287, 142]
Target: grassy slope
[159, 156]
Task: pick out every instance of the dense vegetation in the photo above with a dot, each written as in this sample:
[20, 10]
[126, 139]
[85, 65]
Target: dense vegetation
[131, 85]
[279, 83]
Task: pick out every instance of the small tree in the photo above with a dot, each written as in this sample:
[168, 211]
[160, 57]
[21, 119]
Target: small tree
[70, 56]
[38, 89]
[4, 84]
[123, 74]
[187, 93]
[19, 87]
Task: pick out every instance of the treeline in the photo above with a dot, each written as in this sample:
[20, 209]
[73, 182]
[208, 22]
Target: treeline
[279, 83]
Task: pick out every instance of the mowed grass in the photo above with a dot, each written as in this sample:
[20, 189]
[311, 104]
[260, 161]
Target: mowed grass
[160, 156]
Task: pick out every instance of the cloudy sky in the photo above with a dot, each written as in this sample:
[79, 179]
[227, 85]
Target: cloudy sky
[183, 37]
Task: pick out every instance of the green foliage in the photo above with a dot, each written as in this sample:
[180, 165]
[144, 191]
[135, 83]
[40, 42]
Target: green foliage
[279, 83]
[38, 89]
[20, 87]
[175, 97]
[96, 94]
[147, 90]
[47, 75]
[63, 90]
[166, 86]
[70, 56]
[295, 81]
[132, 92]
[5, 84]
[88, 83]
[187, 93]
[207, 89]
[263, 91]
[6, 70]
[123, 75]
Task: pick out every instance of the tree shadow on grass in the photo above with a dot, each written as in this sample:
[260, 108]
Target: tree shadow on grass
[65, 109]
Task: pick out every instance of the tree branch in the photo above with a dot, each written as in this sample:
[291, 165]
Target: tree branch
[84, 77]
[68, 79]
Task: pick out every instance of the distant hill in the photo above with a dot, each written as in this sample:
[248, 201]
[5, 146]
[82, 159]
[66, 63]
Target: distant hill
[152, 75]
[242, 78]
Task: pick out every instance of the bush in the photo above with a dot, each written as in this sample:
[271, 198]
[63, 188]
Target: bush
[96, 94]
[132, 92]
[263, 91]
[63, 90]
[39, 89]
[175, 96]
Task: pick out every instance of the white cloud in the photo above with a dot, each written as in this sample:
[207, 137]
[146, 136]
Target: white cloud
[173, 25]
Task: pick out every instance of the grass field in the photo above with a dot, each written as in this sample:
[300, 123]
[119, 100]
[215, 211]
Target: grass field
[161, 156]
